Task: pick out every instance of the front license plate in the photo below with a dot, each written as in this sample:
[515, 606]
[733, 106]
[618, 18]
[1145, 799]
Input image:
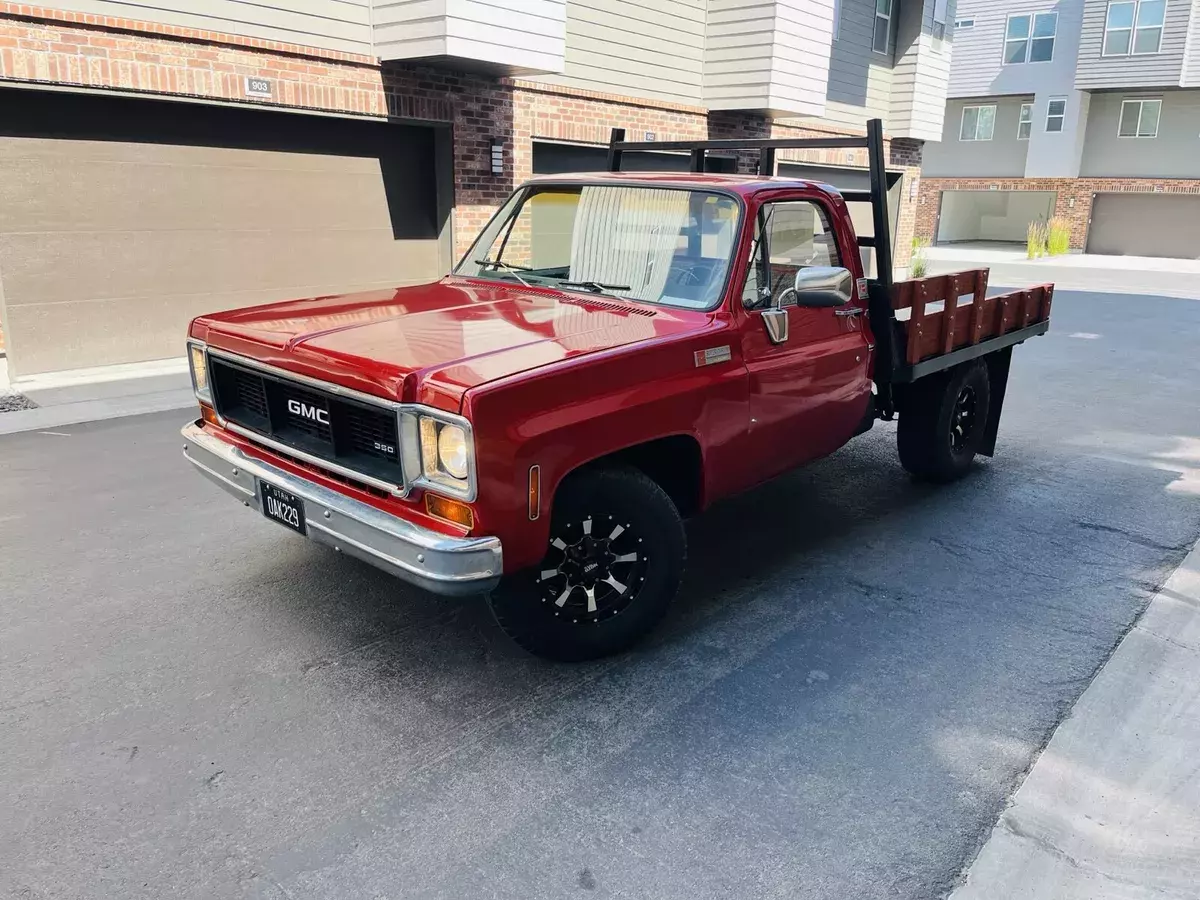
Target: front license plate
[285, 508]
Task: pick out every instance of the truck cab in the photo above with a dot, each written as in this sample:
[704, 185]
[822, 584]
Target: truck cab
[614, 353]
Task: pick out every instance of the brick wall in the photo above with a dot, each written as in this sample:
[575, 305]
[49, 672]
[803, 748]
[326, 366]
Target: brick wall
[75, 49]
[1073, 201]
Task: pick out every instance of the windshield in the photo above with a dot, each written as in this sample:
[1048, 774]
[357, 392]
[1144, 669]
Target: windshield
[660, 245]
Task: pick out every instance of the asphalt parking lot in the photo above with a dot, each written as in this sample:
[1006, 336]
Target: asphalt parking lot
[195, 703]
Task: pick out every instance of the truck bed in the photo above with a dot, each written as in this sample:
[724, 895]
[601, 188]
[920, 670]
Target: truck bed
[930, 340]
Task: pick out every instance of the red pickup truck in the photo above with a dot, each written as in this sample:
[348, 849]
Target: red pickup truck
[615, 353]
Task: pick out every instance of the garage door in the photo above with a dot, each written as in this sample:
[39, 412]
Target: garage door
[860, 213]
[1002, 216]
[558, 159]
[121, 219]
[1162, 225]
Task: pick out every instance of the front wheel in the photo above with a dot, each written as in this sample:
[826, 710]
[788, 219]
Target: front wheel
[612, 567]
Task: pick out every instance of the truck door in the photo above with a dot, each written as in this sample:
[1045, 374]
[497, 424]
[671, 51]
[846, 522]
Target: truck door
[808, 394]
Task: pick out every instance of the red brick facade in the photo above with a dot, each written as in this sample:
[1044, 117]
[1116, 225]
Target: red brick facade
[1073, 201]
[76, 50]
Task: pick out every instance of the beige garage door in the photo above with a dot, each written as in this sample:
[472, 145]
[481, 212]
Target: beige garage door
[1162, 225]
[121, 219]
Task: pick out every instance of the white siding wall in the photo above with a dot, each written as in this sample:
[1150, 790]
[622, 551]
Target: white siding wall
[769, 55]
[523, 36]
[918, 101]
[343, 25]
[1191, 53]
[639, 48]
[1161, 69]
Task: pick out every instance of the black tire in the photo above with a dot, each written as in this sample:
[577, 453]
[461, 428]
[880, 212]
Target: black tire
[629, 516]
[942, 423]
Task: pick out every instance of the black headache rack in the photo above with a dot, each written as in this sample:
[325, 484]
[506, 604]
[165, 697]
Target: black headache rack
[883, 318]
[926, 342]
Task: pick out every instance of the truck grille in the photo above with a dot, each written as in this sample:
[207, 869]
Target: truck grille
[355, 435]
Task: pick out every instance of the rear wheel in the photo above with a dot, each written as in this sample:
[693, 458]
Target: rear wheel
[942, 423]
[612, 567]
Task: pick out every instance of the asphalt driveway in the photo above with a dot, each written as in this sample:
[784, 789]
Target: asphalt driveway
[196, 704]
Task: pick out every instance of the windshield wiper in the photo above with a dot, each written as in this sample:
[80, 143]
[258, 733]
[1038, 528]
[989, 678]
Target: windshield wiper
[508, 267]
[596, 287]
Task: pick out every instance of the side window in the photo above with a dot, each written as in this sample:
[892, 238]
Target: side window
[787, 238]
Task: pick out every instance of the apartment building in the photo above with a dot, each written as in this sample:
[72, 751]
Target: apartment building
[1085, 109]
[163, 159]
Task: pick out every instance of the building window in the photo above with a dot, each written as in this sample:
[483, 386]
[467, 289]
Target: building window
[1134, 27]
[1056, 115]
[837, 19]
[939, 19]
[1030, 38]
[883, 26]
[978, 123]
[1025, 125]
[1139, 118]
[964, 24]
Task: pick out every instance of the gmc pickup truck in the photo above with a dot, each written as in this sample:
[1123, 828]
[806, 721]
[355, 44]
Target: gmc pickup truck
[615, 353]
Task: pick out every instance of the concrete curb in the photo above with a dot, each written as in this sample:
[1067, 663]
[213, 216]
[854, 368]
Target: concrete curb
[1112, 807]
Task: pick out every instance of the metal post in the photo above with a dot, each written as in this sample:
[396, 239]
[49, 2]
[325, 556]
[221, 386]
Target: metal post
[883, 317]
[698, 159]
[615, 152]
[879, 203]
[766, 162]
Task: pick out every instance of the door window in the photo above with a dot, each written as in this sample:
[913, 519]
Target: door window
[787, 238]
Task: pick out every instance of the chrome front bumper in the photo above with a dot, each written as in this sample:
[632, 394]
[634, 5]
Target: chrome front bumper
[437, 562]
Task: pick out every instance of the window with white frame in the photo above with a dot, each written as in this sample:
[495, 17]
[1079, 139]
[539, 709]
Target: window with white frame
[1134, 27]
[1025, 123]
[978, 123]
[964, 24]
[1139, 118]
[939, 19]
[1056, 115]
[1030, 38]
[883, 26]
[837, 18]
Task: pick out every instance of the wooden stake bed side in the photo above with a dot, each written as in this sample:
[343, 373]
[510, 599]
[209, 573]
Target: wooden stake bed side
[980, 323]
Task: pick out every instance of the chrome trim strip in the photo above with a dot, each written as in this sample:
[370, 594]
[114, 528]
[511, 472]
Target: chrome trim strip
[317, 461]
[437, 562]
[248, 363]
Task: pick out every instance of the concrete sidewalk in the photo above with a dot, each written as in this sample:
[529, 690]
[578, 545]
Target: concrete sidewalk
[85, 395]
[1112, 807]
[1074, 272]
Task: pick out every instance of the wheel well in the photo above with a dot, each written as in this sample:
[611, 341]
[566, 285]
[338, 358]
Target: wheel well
[674, 463]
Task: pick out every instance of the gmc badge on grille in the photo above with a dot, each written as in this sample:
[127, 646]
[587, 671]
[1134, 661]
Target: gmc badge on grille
[296, 408]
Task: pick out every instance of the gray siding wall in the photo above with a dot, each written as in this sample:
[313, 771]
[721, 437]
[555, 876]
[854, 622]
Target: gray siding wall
[978, 68]
[642, 48]
[331, 24]
[1175, 153]
[1163, 69]
[860, 80]
[1002, 156]
[918, 102]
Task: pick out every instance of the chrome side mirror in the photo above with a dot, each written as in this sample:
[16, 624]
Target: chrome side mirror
[822, 286]
[775, 320]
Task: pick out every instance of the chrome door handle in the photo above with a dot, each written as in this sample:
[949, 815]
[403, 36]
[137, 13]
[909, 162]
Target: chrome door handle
[852, 311]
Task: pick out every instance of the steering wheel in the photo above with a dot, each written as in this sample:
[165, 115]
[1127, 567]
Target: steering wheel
[692, 276]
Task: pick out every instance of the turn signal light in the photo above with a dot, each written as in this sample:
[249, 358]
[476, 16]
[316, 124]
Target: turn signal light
[449, 510]
[209, 415]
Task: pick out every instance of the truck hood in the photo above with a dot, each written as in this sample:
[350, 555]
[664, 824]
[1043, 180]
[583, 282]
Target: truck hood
[431, 343]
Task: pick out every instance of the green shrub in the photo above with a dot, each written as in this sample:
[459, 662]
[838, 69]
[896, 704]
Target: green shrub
[1058, 237]
[918, 267]
[1035, 240]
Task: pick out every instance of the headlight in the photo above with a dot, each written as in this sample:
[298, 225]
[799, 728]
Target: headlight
[199, 365]
[446, 455]
[452, 451]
